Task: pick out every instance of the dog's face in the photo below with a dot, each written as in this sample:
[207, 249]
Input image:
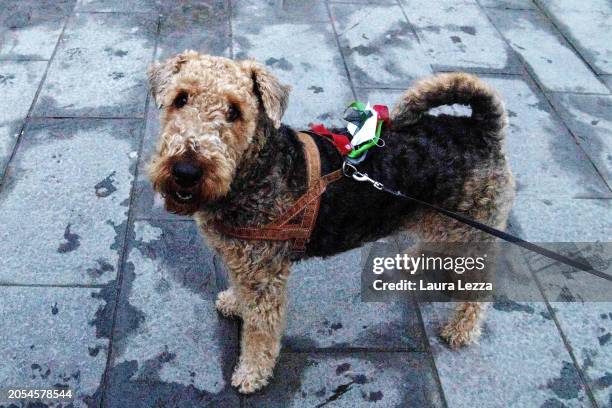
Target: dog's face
[210, 109]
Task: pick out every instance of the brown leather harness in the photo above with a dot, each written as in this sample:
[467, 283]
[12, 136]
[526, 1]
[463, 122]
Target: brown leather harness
[298, 221]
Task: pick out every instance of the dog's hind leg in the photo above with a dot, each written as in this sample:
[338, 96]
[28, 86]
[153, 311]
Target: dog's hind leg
[487, 198]
[464, 327]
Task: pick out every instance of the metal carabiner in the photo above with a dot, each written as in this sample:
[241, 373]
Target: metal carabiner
[364, 177]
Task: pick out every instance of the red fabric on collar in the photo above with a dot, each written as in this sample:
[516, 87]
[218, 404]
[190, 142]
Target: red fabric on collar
[342, 142]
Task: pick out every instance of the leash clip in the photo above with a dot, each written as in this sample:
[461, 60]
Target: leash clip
[364, 177]
[351, 171]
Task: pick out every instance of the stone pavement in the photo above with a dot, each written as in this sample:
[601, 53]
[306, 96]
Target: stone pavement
[105, 293]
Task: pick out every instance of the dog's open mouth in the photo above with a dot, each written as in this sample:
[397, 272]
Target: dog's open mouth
[183, 196]
[181, 201]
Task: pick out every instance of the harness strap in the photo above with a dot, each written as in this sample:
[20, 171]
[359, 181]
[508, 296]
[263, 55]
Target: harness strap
[298, 221]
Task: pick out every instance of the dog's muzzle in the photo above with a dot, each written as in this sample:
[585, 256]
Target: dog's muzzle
[182, 193]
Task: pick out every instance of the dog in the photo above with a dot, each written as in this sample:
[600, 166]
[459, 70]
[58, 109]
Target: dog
[224, 157]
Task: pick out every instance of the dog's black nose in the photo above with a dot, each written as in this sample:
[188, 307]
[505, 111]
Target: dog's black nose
[186, 174]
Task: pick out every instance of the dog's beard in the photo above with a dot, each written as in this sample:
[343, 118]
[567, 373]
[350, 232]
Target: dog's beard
[187, 201]
[217, 175]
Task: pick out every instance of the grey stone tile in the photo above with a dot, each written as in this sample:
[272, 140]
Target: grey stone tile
[379, 45]
[543, 155]
[550, 58]
[364, 1]
[301, 54]
[147, 203]
[182, 28]
[458, 35]
[520, 355]
[508, 4]
[561, 220]
[63, 207]
[350, 380]
[561, 282]
[48, 341]
[100, 75]
[29, 29]
[586, 325]
[590, 120]
[326, 310]
[134, 6]
[590, 32]
[18, 82]
[588, 328]
[170, 346]
[277, 11]
[576, 5]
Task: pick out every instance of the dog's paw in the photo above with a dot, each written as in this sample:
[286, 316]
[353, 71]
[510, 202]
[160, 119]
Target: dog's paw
[227, 303]
[249, 379]
[457, 335]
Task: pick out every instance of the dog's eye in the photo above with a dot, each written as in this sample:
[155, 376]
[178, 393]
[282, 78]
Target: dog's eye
[180, 100]
[233, 113]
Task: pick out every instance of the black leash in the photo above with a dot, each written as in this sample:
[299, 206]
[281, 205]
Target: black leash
[351, 171]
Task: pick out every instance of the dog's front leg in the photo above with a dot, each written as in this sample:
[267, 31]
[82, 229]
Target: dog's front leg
[263, 312]
[227, 302]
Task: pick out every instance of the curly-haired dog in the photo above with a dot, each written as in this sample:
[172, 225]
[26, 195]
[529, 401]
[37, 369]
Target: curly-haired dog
[224, 156]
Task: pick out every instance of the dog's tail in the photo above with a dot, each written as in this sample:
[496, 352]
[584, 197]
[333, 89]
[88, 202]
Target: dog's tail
[453, 88]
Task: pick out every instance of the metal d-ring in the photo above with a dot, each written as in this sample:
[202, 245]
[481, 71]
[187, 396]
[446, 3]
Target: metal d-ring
[348, 169]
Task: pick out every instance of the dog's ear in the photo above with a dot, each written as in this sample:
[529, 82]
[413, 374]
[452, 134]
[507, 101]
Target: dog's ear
[160, 74]
[273, 96]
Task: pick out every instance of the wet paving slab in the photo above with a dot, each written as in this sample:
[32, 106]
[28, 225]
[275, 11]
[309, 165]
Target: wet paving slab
[520, 355]
[376, 42]
[588, 328]
[18, 82]
[544, 219]
[48, 341]
[277, 11]
[75, 225]
[589, 118]
[543, 155]
[458, 35]
[118, 6]
[551, 59]
[508, 4]
[320, 87]
[30, 29]
[607, 79]
[170, 346]
[587, 325]
[350, 380]
[97, 75]
[182, 23]
[326, 310]
[588, 26]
